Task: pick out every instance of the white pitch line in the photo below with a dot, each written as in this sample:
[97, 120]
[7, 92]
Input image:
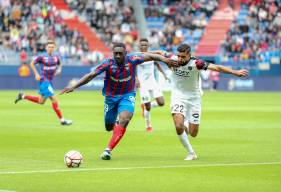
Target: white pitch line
[3, 190]
[132, 168]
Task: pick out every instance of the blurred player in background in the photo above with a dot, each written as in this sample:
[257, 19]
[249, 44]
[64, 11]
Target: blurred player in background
[148, 86]
[119, 89]
[49, 66]
[186, 93]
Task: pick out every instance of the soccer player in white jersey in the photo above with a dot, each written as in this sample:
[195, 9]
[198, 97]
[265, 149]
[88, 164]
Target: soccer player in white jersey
[148, 86]
[186, 93]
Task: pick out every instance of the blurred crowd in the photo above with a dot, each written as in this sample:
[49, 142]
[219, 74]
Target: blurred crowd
[181, 20]
[26, 25]
[257, 35]
[114, 21]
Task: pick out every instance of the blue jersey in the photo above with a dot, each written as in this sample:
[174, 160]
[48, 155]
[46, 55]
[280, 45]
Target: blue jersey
[119, 80]
[48, 65]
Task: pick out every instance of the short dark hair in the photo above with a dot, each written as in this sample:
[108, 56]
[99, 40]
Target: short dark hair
[183, 48]
[119, 45]
[144, 39]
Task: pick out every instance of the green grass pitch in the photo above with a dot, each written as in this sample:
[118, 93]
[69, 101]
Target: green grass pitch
[239, 147]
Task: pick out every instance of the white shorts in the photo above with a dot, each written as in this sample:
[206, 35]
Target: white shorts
[189, 108]
[148, 95]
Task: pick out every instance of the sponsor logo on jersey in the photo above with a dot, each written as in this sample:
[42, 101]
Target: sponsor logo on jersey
[49, 68]
[120, 80]
[181, 73]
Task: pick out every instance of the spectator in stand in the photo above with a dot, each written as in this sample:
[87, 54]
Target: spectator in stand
[258, 36]
[178, 15]
[28, 24]
[114, 21]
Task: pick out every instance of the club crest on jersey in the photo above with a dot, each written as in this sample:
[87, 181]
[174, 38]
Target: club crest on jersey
[189, 68]
[55, 59]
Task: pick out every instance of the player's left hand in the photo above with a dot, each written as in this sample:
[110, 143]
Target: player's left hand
[242, 73]
[67, 90]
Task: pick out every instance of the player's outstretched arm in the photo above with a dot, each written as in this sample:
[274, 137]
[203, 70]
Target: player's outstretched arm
[84, 80]
[159, 52]
[219, 68]
[157, 57]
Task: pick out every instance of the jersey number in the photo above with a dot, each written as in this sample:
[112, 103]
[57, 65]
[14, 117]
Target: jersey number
[178, 108]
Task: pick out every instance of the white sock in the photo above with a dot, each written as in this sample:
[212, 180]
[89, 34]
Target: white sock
[62, 119]
[147, 118]
[185, 142]
[154, 104]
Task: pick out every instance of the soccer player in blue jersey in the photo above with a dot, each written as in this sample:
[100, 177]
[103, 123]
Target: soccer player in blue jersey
[50, 65]
[119, 89]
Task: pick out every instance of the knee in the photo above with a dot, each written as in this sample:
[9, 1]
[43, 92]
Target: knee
[41, 101]
[179, 128]
[147, 106]
[124, 121]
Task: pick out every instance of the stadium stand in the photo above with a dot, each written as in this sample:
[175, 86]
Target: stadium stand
[175, 22]
[114, 21]
[254, 37]
[84, 30]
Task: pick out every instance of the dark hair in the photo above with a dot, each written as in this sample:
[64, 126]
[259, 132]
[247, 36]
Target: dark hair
[183, 48]
[144, 39]
[119, 45]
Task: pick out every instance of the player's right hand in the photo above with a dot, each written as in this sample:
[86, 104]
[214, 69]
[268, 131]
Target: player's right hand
[37, 77]
[172, 63]
[67, 90]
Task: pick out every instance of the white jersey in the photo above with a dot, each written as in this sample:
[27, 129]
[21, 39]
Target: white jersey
[186, 79]
[145, 72]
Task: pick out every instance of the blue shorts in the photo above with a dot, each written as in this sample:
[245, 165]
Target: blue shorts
[46, 89]
[115, 105]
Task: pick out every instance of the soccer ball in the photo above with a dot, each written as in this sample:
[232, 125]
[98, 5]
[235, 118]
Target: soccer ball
[73, 158]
